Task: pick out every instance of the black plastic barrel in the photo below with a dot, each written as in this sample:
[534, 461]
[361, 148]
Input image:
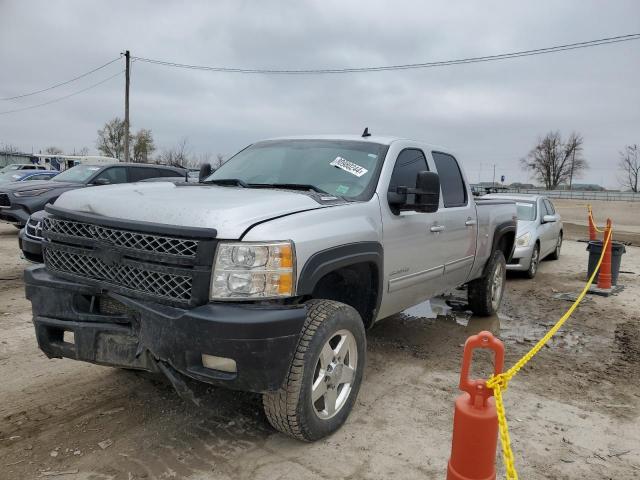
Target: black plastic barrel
[595, 250]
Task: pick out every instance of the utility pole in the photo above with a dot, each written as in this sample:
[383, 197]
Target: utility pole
[573, 159]
[493, 183]
[127, 75]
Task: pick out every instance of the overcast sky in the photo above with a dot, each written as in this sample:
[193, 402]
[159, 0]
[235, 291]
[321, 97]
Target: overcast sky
[488, 113]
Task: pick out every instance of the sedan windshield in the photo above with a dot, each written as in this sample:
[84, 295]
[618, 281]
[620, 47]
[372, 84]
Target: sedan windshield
[343, 168]
[77, 174]
[526, 211]
[10, 177]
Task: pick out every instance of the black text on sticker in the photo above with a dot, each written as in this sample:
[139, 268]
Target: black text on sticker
[348, 166]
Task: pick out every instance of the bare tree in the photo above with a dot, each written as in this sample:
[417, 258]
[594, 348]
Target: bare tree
[554, 162]
[143, 146]
[219, 161]
[53, 150]
[111, 139]
[8, 148]
[630, 166]
[83, 151]
[178, 156]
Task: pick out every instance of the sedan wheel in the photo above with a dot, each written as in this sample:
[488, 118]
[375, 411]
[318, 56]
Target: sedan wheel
[533, 265]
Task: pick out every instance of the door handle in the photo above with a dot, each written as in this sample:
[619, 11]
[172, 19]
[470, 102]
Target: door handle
[436, 228]
[470, 222]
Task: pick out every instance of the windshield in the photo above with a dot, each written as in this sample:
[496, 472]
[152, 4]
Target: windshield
[77, 174]
[10, 176]
[526, 211]
[343, 168]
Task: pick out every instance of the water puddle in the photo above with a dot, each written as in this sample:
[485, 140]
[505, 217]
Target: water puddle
[450, 308]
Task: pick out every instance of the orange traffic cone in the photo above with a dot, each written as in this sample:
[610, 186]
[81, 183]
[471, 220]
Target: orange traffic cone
[604, 274]
[475, 421]
[593, 235]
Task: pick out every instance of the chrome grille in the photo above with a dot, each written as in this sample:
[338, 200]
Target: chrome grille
[159, 284]
[4, 200]
[134, 240]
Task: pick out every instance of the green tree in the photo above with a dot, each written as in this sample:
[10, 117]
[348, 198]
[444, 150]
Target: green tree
[111, 139]
[143, 146]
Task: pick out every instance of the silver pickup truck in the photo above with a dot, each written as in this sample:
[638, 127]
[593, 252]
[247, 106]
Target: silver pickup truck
[264, 276]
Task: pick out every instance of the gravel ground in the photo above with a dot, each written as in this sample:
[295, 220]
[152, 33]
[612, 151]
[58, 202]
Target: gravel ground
[573, 411]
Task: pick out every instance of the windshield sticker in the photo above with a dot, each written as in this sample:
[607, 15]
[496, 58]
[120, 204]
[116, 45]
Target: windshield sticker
[342, 189]
[347, 166]
[372, 155]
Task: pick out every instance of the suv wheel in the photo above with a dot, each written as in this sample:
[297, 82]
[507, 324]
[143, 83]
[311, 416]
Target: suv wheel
[325, 375]
[485, 293]
[533, 263]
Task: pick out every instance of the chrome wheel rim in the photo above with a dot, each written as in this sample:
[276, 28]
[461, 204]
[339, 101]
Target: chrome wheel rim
[496, 286]
[334, 374]
[534, 261]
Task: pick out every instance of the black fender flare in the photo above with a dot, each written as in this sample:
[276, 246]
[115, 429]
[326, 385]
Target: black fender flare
[500, 231]
[325, 261]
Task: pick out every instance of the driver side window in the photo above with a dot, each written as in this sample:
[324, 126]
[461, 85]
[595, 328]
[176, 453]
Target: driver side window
[409, 162]
[114, 175]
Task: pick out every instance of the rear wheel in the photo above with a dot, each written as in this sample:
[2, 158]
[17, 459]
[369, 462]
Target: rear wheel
[485, 293]
[325, 375]
[533, 263]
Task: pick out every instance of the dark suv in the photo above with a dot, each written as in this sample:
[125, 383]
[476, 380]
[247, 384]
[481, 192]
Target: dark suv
[20, 201]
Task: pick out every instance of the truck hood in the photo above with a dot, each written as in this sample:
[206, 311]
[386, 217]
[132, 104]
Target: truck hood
[230, 210]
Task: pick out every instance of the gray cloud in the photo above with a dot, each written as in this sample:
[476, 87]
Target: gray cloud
[489, 113]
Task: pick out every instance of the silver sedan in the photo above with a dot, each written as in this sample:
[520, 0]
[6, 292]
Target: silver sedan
[539, 233]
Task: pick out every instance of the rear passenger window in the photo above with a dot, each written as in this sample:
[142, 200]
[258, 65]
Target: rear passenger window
[408, 164]
[165, 172]
[454, 193]
[141, 173]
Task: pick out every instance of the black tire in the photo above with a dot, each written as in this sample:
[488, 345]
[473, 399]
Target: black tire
[534, 263]
[290, 409]
[480, 292]
[556, 253]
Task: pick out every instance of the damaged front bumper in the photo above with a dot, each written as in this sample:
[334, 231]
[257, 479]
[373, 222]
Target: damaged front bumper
[111, 329]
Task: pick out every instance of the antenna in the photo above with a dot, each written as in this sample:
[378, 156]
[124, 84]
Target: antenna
[366, 133]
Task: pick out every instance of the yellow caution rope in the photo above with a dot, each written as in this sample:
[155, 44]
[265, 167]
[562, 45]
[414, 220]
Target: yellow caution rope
[500, 382]
[593, 222]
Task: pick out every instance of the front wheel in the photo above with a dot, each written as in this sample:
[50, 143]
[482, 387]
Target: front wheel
[556, 253]
[325, 375]
[533, 263]
[485, 293]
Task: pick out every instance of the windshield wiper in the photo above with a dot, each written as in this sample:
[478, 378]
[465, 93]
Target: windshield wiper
[289, 186]
[234, 182]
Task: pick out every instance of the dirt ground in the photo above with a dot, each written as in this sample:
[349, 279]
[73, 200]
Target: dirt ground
[625, 215]
[573, 411]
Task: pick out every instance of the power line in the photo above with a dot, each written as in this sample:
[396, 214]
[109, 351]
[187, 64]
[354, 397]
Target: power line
[408, 66]
[62, 98]
[62, 83]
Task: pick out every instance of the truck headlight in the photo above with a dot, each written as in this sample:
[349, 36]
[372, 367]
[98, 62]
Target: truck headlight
[523, 240]
[247, 270]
